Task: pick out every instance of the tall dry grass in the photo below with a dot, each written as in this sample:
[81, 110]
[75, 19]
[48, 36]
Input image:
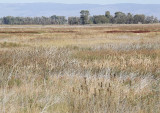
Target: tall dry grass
[79, 69]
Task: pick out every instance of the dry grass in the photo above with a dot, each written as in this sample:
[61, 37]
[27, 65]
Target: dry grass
[80, 69]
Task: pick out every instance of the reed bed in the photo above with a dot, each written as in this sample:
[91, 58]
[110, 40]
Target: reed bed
[79, 69]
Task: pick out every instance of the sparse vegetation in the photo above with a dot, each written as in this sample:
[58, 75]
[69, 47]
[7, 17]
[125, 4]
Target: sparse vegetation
[85, 69]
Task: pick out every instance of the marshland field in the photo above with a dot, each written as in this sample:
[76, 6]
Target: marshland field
[80, 69]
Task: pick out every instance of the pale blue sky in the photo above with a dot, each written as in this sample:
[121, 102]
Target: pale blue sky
[85, 1]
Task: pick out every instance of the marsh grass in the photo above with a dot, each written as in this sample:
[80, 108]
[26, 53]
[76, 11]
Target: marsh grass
[80, 70]
[9, 45]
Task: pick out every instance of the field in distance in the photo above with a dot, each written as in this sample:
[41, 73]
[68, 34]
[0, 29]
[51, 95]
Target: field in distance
[80, 69]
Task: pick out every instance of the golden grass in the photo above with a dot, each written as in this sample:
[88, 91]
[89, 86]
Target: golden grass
[79, 69]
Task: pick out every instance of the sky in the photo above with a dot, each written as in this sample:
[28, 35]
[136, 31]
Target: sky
[85, 1]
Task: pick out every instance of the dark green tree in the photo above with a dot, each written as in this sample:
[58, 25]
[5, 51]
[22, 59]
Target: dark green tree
[108, 16]
[120, 18]
[139, 19]
[100, 19]
[129, 18]
[84, 17]
[73, 20]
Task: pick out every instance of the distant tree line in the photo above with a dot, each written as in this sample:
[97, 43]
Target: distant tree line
[118, 18]
[35, 20]
[85, 18]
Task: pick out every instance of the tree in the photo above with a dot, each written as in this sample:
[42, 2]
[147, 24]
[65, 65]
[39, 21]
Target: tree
[139, 19]
[91, 19]
[1, 21]
[7, 20]
[120, 18]
[151, 19]
[155, 20]
[108, 16]
[100, 19]
[73, 20]
[84, 17]
[129, 18]
[58, 19]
